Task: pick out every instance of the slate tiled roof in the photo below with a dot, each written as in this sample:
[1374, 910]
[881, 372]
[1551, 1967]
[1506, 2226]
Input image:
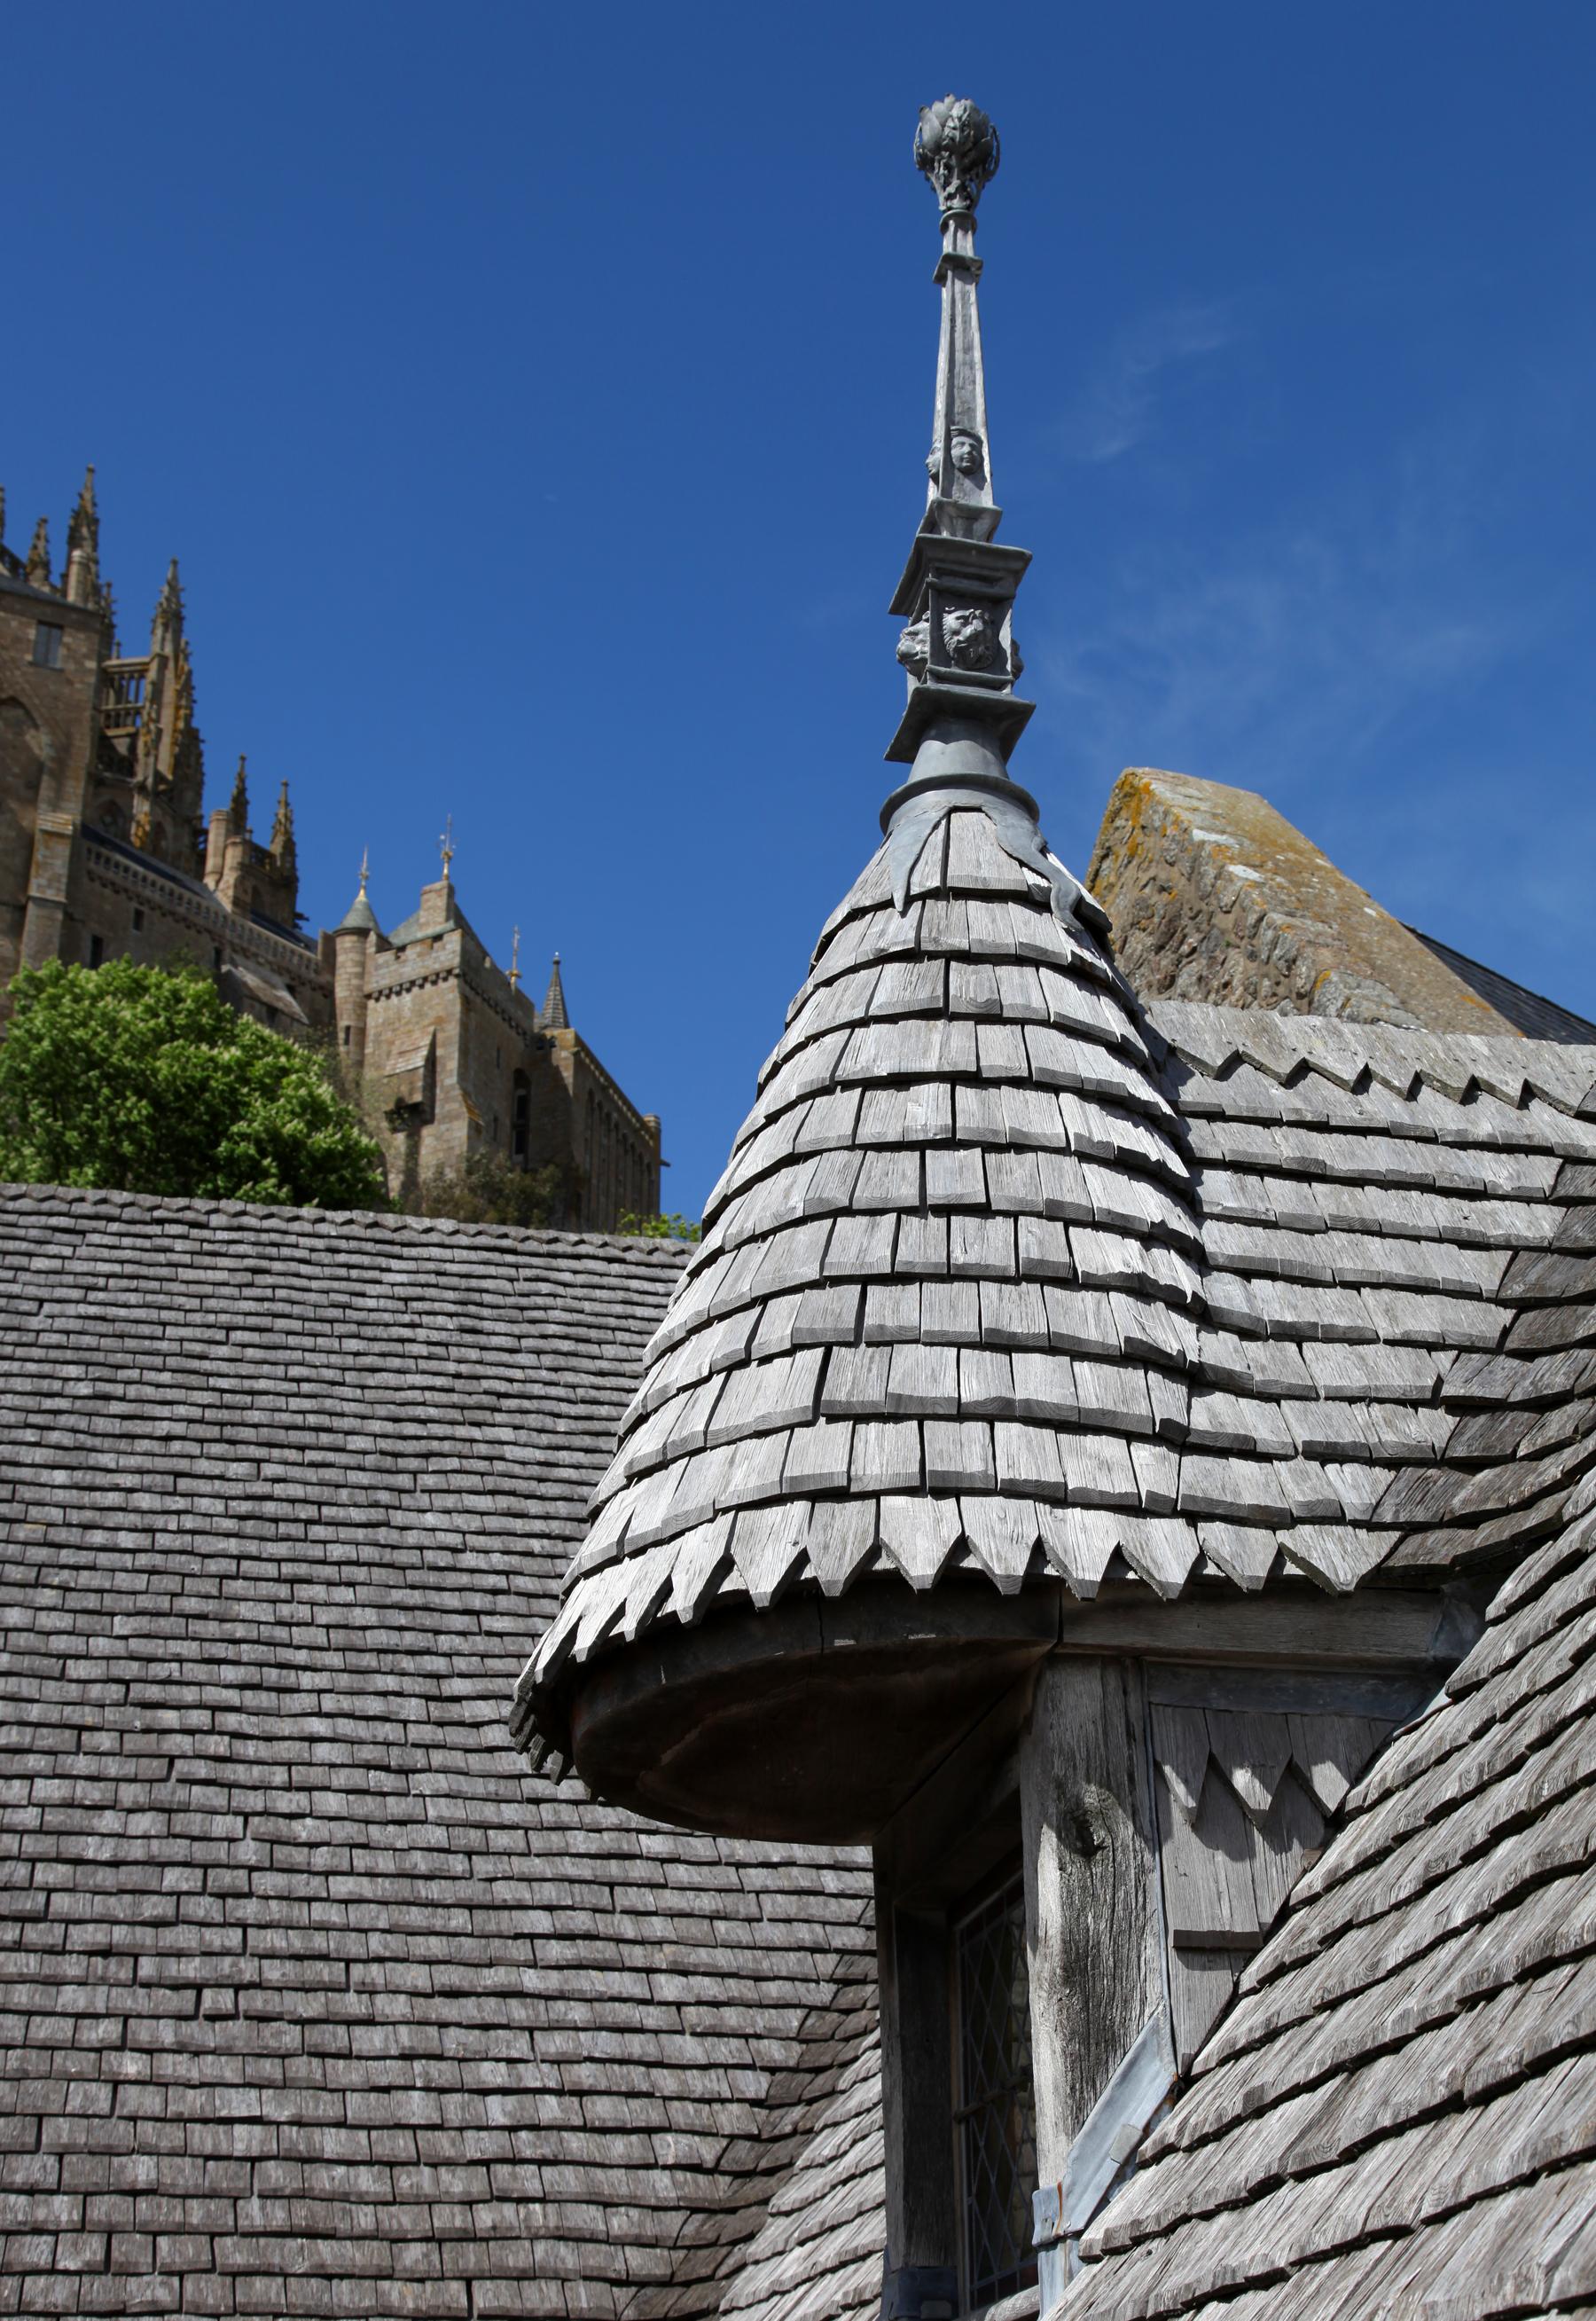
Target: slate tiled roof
[1540, 1019]
[314, 2000]
[1003, 1277]
[1397, 2119]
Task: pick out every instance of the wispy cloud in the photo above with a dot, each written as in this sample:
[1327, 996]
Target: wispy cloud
[1306, 639]
[1119, 406]
[1334, 660]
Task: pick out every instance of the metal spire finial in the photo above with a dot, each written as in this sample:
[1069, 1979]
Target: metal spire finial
[515, 959]
[446, 843]
[365, 867]
[957, 146]
[957, 591]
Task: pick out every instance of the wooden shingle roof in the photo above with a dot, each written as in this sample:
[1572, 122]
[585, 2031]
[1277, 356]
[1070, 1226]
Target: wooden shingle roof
[1396, 2120]
[960, 1180]
[1006, 1279]
[1398, 2117]
[315, 2001]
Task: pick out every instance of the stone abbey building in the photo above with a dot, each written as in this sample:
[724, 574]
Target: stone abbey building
[105, 853]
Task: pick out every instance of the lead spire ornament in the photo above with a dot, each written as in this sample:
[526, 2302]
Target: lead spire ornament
[956, 594]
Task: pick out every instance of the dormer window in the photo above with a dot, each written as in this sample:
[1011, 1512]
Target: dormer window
[47, 645]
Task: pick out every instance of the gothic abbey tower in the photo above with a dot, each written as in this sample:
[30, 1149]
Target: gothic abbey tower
[105, 853]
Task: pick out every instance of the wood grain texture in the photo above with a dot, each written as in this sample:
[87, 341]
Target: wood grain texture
[1092, 1926]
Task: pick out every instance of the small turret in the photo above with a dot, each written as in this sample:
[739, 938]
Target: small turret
[552, 1015]
[37, 574]
[352, 942]
[82, 583]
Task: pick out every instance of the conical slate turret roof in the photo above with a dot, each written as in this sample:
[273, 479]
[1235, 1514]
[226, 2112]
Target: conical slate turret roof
[941, 1316]
[359, 918]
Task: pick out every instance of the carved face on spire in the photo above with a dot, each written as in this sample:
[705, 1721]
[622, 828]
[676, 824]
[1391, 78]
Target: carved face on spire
[967, 452]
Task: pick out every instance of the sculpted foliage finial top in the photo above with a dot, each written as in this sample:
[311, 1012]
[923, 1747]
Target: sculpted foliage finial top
[957, 146]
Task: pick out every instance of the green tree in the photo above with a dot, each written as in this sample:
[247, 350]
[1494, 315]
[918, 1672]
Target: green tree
[487, 1189]
[143, 1081]
[673, 1227]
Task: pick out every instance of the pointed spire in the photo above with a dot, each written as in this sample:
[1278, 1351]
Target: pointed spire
[360, 918]
[515, 959]
[238, 806]
[552, 1015]
[82, 582]
[166, 628]
[282, 829]
[957, 591]
[37, 574]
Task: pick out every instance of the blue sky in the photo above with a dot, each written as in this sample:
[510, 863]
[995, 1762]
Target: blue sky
[537, 400]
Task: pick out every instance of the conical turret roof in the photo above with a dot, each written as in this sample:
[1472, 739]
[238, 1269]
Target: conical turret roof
[940, 1318]
[938, 1335]
[359, 918]
[553, 1015]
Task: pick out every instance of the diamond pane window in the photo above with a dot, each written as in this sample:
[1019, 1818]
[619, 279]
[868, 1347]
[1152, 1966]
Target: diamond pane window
[996, 2110]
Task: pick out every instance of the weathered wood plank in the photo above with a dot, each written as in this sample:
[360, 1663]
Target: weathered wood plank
[958, 1455]
[922, 1382]
[1091, 1912]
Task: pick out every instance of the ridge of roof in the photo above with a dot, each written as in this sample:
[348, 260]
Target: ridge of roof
[64, 1199]
[1394, 1056]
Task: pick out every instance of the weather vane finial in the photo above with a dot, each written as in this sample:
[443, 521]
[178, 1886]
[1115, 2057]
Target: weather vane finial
[446, 844]
[515, 959]
[365, 867]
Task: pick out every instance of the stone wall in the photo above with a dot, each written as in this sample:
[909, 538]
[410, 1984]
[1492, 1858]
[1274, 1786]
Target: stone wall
[1215, 897]
[47, 732]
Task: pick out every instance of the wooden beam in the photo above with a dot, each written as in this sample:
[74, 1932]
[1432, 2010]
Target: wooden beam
[1092, 1922]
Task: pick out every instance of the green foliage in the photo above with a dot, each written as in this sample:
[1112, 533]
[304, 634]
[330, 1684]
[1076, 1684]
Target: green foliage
[490, 1190]
[140, 1080]
[673, 1227]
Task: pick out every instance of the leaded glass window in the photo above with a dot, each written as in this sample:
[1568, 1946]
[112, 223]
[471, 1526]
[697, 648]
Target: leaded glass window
[995, 2113]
